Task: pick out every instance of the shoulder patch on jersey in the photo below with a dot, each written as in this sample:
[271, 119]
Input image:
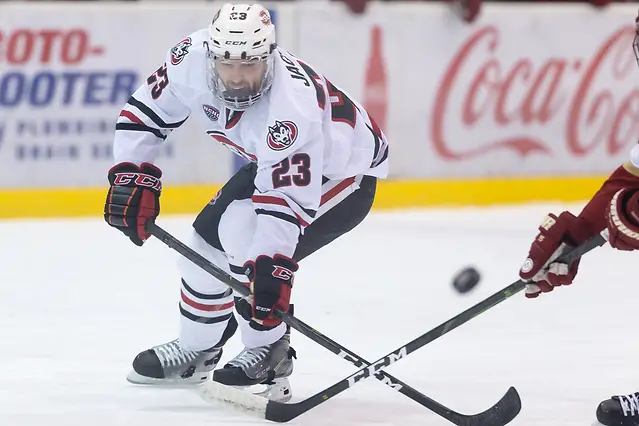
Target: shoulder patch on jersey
[211, 112]
[180, 50]
[281, 135]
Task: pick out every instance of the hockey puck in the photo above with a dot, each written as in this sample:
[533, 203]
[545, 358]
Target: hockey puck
[466, 279]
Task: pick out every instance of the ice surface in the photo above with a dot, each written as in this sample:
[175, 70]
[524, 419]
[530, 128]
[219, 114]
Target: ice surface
[78, 302]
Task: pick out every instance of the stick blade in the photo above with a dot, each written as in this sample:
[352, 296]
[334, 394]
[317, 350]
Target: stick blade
[500, 414]
[281, 412]
[211, 392]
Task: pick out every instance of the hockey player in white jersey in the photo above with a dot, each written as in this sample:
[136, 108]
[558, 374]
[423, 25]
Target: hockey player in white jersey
[315, 155]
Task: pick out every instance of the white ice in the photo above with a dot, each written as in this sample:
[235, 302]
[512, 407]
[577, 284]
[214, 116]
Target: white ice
[78, 301]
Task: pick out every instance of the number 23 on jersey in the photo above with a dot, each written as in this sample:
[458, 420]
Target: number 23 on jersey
[283, 176]
[159, 80]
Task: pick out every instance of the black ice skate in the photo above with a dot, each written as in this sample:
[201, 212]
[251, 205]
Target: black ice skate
[170, 365]
[268, 365]
[620, 410]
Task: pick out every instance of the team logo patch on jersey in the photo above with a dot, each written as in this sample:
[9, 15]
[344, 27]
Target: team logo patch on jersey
[282, 135]
[180, 50]
[211, 112]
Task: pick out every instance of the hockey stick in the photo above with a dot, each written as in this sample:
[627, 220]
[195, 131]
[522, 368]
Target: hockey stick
[280, 412]
[501, 413]
[498, 415]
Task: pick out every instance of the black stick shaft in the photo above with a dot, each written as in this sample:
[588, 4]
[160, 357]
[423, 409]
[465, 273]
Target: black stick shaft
[310, 332]
[500, 414]
[285, 412]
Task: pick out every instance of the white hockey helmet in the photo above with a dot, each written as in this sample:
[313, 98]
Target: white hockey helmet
[241, 35]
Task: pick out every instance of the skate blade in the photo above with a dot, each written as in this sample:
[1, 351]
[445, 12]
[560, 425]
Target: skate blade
[190, 382]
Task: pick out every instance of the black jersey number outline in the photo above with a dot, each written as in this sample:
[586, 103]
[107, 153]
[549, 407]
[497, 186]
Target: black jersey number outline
[301, 175]
[343, 109]
[161, 80]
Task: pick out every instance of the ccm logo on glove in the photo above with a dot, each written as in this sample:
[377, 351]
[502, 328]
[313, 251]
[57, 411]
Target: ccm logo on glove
[133, 199]
[282, 273]
[271, 280]
[138, 179]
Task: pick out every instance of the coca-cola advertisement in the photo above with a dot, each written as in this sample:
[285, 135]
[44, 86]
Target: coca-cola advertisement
[531, 91]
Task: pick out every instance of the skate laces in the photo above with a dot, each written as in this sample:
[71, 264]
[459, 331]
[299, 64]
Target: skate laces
[249, 357]
[172, 354]
[629, 403]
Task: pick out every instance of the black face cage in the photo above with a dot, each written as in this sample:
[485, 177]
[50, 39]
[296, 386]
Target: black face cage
[635, 45]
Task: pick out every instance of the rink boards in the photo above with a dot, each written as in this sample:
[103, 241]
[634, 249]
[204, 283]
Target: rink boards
[390, 195]
[522, 105]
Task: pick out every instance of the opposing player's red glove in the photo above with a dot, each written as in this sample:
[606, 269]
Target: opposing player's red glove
[622, 216]
[271, 283]
[133, 199]
[556, 234]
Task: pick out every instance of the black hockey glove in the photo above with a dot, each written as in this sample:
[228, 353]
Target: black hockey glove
[271, 283]
[133, 199]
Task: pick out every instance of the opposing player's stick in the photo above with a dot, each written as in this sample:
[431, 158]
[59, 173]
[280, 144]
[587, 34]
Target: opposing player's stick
[500, 414]
[284, 412]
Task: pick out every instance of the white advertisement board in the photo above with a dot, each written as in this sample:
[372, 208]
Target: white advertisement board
[526, 90]
[66, 71]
